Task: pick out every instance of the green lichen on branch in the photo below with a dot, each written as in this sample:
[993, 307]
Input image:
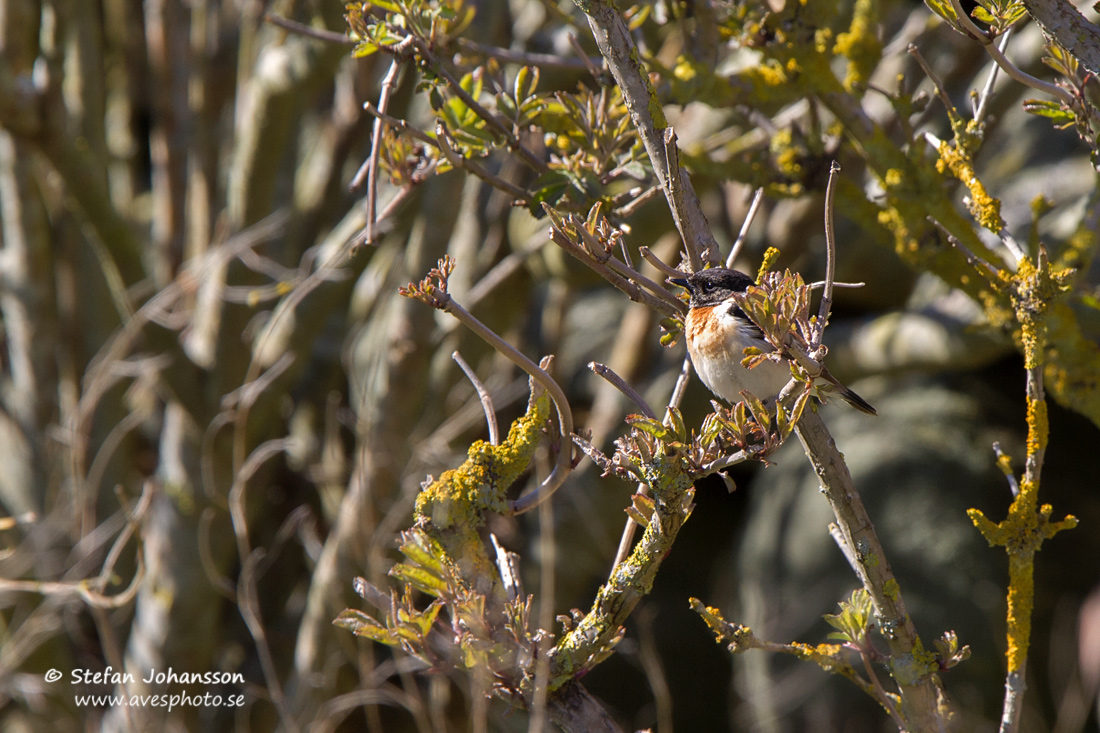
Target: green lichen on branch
[452, 508]
[462, 496]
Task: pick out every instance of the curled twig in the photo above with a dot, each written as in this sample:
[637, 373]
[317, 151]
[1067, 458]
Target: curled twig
[483, 395]
[432, 290]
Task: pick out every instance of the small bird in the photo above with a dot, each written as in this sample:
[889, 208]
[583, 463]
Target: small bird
[718, 332]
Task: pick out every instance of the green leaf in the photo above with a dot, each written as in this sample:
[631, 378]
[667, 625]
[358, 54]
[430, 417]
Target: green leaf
[756, 407]
[640, 519]
[676, 422]
[422, 550]
[527, 80]
[635, 16]
[361, 624]
[427, 619]
[363, 49]
[419, 578]
[943, 9]
[1052, 110]
[549, 189]
[647, 425]
[386, 5]
[983, 15]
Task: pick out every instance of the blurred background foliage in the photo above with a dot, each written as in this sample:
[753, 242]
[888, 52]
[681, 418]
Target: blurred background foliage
[217, 411]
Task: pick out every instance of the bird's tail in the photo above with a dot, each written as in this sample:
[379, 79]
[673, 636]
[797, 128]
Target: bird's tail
[856, 401]
[849, 396]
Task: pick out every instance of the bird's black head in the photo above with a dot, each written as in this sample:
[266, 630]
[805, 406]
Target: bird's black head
[714, 286]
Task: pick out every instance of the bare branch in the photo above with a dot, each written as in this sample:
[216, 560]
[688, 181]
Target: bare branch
[389, 83]
[617, 47]
[735, 251]
[987, 91]
[528, 58]
[830, 260]
[920, 695]
[666, 269]
[620, 384]
[483, 394]
[307, 30]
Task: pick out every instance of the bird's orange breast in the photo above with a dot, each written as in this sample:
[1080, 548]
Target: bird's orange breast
[704, 335]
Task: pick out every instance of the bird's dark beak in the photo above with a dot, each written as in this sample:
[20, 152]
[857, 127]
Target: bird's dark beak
[681, 281]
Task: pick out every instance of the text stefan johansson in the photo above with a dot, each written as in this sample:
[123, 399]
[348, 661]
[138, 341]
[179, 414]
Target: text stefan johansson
[110, 677]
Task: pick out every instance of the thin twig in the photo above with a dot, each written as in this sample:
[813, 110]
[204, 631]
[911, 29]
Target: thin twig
[617, 46]
[735, 252]
[513, 142]
[968, 26]
[1011, 69]
[677, 192]
[627, 537]
[628, 209]
[508, 566]
[443, 142]
[821, 283]
[247, 592]
[666, 269]
[1013, 246]
[483, 395]
[914, 51]
[721, 464]
[592, 64]
[307, 30]
[564, 463]
[830, 259]
[389, 83]
[880, 693]
[527, 58]
[920, 704]
[620, 384]
[991, 272]
[987, 91]
[597, 251]
[849, 554]
[662, 304]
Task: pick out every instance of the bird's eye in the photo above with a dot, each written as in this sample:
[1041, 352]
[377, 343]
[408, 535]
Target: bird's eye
[708, 287]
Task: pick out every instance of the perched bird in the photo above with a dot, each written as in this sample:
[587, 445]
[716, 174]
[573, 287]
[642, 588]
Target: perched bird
[718, 332]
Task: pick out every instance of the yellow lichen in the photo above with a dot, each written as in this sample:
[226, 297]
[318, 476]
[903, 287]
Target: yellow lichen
[788, 156]
[860, 44]
[983, 207]
[771, 254]
[461, 497]
[1021, 592]
[1037, 428]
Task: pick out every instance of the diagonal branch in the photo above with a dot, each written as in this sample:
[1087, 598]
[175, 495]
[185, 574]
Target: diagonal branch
[614, 41]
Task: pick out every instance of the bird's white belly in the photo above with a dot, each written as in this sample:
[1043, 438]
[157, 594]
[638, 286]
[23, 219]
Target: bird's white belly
[719, 367]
